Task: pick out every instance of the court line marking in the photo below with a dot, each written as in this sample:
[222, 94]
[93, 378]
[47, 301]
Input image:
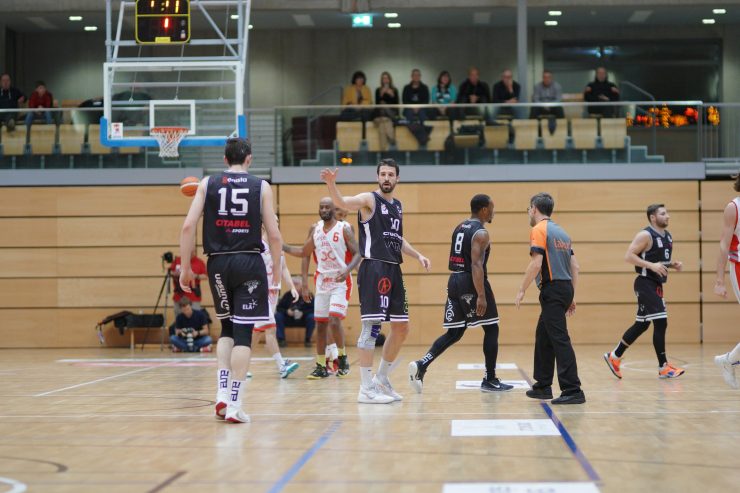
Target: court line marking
[296, 467]
[569, 442]
[16, 486]
[161, 360]
[167, 482]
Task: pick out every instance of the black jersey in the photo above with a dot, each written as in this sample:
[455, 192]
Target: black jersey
[381, 236]
[232, 214]
[461, 249]
[660, 251]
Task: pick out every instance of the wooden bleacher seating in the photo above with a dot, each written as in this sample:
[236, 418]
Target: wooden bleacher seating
[583, 132]
[613, 133]
[93, 140]
[71, 138]
[42, 139]
[349, 136]
[559, 138]
[14, 143]
[526, 133]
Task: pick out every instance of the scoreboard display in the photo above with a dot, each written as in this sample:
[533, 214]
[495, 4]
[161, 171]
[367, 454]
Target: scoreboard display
[162, 21]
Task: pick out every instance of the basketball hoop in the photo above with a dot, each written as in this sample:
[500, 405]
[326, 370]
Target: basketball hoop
[168, 139]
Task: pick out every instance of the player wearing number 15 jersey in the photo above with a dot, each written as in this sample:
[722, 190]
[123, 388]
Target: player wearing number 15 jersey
[336, 254]
[470, 299]
[235, 205]
[382, 293]
[651, 253]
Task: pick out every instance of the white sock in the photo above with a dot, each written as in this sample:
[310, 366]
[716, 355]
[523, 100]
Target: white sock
[394, 365]
[327, 351]
[366, 375]
[237, 390]
[384, 368]
[334, 352]
[278, 360]
[734, 355]
[223, 376]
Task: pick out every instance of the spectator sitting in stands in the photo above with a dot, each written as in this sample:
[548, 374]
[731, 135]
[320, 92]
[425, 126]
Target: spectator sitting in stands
[547, 91]
[473, 91]
[294, 314]
[10, 98]
[356, 93]
[40, 99]
[415, 92]
[191, 330]
[386, 94]
[506, 91]
[444, 92]
[601, 90]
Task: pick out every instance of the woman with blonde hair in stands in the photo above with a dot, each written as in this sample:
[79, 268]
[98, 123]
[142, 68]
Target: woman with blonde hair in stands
[384, 117]
[728, 250]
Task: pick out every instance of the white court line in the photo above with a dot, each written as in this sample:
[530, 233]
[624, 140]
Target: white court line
[164, 360]
[482, 366]
[549, 487]
[98, 380]
[16, 486]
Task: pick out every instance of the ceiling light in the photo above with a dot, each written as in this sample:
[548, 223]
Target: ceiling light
[393, 15]
[639, 16]
[91, 28]
[707, 21]
[251, 26]
[394, 25]
[551, 23]
[719, 11]
[234, 16]
[554, 13]
[75, 17]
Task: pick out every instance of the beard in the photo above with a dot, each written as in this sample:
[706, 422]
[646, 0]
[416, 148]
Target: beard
[662, 224]
[387, 187]
[532, 222]
[326, 216]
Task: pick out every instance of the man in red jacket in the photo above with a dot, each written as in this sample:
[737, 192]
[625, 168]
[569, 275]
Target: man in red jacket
[40, 99]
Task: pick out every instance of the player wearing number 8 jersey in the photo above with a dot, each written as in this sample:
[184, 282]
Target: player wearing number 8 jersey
[235, 205]
[382, 292]
[470, 300]
[336, 254]
[651, 253]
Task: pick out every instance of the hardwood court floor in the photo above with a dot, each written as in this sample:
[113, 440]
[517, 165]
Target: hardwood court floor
[142, 425]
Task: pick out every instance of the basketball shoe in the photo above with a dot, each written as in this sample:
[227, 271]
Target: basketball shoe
[318, 373]
[221, 410]
[235, 414]
[373, 395]
[494, 385]
[613, 363]
[728, 369]
[385, 387]
[343, 368]
[416, 376]
[670, 371]
[288, 368]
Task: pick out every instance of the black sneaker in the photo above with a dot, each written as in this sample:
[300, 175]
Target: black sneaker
[343, 370]
[578, 398]
[416, 376]
[318, 373]
[494, 385]
[540, 393]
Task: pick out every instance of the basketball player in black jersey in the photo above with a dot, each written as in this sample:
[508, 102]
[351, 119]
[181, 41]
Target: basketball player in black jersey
[650, 253]
[382, 292]
[234, 205]
[470, 300]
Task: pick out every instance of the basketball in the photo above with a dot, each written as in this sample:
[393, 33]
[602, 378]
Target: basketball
[189, 185]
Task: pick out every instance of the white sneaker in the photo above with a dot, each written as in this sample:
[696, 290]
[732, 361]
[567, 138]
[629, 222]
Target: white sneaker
[728, 370]
[235, 414]
[386, 388]
[372, 396]
[415, 381]
[221, 409]
[288, 368]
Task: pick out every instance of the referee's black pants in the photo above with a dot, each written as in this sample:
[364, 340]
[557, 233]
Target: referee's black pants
[552, 342]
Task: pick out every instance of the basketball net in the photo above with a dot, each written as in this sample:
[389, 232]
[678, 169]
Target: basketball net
[169, 139]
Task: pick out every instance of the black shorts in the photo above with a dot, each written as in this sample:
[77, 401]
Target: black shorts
[650, 302]
[239, 285]
[462, 300]
[382, 292]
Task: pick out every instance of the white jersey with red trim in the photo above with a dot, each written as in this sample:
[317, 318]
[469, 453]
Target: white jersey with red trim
[330, 249]
[735, 243]
[268, 263]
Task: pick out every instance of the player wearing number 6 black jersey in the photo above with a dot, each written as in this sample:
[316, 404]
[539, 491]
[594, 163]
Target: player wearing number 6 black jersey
[380, 282]
[470, 300]
[650, 252]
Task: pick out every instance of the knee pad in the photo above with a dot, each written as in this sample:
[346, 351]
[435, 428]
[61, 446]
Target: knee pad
[243, 335]
[368, 334]
[227, 328]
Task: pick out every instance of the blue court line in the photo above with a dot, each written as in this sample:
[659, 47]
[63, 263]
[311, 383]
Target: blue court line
[569, 442]
[298, 465]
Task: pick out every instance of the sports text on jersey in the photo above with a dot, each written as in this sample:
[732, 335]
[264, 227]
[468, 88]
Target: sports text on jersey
[231, 179]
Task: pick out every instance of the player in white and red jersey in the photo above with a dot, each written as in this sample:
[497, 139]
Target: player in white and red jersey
[285, 366]
[728, 250]
[335, 251]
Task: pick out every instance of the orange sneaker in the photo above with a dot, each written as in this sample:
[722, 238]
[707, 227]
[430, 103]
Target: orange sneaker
[613, 364]
[670, 371]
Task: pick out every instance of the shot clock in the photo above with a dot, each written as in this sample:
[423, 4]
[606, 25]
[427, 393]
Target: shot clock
[162, 21]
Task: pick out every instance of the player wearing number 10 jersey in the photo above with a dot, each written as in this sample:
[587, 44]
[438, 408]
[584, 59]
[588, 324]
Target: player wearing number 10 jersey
[235, 205]
[382, 293]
